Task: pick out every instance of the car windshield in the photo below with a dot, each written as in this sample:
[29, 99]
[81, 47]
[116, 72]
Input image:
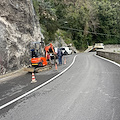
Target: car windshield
[62, 48]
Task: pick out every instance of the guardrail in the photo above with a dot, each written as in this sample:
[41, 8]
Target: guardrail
[109, 55]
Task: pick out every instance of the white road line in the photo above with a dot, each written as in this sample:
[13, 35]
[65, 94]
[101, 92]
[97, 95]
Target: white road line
[108, 60]
[22, 96]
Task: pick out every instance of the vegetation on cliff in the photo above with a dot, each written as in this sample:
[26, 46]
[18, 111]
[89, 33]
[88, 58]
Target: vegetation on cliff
[86, 22]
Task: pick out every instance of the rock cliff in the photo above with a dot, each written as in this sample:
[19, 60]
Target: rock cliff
[18, 27]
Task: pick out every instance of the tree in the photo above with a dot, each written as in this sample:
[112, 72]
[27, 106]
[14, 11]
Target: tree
[82, 17]
[47, 18]
[87, 21]
[108, 19]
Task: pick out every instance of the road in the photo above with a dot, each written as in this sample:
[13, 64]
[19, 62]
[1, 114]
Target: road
[89, 90]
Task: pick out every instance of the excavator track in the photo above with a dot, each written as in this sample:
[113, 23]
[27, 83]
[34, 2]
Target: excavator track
[38, 69]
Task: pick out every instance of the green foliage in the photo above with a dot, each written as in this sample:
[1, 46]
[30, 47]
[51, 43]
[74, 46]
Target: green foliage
[108, 19]
[47, 18]
[87, 21]
[81, 16]
[98, 21]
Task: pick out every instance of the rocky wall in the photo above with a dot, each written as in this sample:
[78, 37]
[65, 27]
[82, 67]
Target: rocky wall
[18, 27]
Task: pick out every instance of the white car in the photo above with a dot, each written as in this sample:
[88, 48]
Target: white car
[66, 50]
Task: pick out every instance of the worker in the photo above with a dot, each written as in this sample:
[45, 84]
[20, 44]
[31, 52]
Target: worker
[55, 56]
[60, 54]
[33, 54]
[48, 56]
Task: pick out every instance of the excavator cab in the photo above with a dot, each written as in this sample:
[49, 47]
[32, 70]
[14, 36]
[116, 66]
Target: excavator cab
[37, 53]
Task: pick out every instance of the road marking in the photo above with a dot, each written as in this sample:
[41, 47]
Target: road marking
[24, 95]
[107, 60]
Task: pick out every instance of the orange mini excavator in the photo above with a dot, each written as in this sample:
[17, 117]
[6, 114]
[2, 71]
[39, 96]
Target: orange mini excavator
[38, 59]
[39, 56]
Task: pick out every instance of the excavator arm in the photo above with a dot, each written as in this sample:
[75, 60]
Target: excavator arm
[48, 48]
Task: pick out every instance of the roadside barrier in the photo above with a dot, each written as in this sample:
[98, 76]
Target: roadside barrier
[33, 78]
[109, 55]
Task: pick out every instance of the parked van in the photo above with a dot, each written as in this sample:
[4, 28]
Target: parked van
[99, 46]
[66, 50]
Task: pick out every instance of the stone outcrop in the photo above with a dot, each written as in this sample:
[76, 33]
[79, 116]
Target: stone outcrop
[18, 27]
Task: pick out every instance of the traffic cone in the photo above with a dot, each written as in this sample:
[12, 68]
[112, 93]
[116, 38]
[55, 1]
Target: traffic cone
[33, 78]
[64, 61]
[56, 66]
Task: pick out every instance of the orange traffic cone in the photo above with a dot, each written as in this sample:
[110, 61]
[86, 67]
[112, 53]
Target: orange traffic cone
[56, 66]
[33, 78]
[64, 61]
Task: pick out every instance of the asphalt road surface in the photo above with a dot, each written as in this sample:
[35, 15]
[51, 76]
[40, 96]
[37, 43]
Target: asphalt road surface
[89, 90]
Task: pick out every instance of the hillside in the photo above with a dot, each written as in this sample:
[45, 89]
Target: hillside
[87, 22]
[18, 26]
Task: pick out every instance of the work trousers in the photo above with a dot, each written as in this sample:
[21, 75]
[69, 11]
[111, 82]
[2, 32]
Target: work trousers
[60, 59]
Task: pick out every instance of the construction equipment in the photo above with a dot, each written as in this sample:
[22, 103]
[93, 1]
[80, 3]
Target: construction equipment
[39, 57]
[49, 49]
